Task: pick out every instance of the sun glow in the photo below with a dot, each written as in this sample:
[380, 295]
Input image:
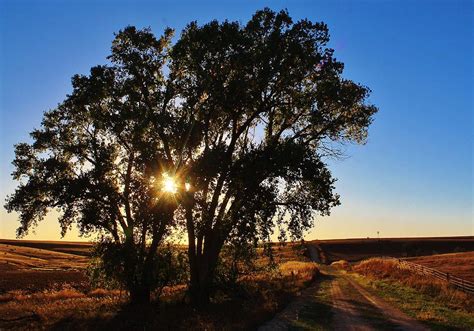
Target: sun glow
[169, 184]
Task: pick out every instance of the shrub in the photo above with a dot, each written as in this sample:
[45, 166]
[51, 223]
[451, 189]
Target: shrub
[108, 268]
[299, 269]
[236, 259]
[342, 264]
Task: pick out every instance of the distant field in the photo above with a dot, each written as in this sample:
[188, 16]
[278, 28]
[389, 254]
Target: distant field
[457, 264]
[359, 249]
[32, 269]
[31, 266]
[42, 287]
[71, 247]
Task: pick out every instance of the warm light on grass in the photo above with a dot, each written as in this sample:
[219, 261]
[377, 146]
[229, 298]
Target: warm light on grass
[169, 184]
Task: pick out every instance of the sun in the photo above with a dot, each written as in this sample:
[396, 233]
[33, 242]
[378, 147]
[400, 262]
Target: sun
[169, 184]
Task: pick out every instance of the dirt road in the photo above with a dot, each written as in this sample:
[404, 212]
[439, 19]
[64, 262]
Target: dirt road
[345, 313]
[338, 302]
[355, 308]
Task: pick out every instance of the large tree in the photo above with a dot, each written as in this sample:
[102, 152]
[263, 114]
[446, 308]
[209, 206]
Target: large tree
[235, 119]
[267, 103]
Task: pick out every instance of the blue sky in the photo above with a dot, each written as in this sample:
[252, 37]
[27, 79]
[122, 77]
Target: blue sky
[414, 177]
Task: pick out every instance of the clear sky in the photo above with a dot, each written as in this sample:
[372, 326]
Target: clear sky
[414, 177]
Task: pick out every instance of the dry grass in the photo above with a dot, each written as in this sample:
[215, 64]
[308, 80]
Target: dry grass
[18, 257]
[342, 264]
[70, 247]
[39, 280]
[299, 268]
[35, 270]
[42, 305]
[66, 292]
[44, 310]
[389, 270]
[458, 264]
[358, 249]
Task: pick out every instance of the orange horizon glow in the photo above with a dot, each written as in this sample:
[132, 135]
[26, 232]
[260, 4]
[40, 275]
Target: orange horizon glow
[338, 226]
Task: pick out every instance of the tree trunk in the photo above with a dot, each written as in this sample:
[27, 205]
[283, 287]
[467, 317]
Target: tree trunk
[202, 273]
[138, 287]
[140, 295]
[200, 296]
[201, 280]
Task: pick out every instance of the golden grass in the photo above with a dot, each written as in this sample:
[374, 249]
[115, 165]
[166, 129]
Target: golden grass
[342, 264]
[384, 269]
[261, 295]
[71, 247]
[66, 292]
[299, 268]
[20, 257]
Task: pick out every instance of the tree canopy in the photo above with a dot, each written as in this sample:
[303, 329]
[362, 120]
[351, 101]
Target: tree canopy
[240, 117]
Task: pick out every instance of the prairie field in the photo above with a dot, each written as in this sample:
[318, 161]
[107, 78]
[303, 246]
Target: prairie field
[70, 247]
[35, 269]
[430, 300]
[457, 264]
[384, 269]
[358, 249]
[44, 287]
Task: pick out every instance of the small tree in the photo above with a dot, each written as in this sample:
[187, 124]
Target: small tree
[107, 268]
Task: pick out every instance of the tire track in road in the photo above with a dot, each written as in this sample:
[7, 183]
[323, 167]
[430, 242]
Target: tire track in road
[291, 313]
[345, 314]
[394, 315]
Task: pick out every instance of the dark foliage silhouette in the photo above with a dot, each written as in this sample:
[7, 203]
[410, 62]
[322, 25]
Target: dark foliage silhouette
[240, 117]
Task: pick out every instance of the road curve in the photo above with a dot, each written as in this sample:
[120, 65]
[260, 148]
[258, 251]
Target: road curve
[350, 304]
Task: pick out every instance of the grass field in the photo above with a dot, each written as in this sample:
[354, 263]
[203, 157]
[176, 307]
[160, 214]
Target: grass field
[358, 249]
[429, 300]
[42, 286]
[457, 264]
[70, 247]
[34, 269]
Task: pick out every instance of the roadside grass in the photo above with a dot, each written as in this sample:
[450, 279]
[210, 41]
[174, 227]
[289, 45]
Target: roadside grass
[384, 269]
[261, 297]
[342, 265]
[428, 300]
[299, 268]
